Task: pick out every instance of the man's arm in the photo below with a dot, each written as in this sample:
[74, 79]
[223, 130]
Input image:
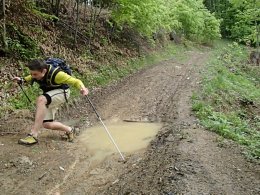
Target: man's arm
[28, 78]
[64, 78]
[19, 79]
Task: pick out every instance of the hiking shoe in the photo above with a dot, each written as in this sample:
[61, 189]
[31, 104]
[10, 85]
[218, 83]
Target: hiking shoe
[29, 140]
[71, 134]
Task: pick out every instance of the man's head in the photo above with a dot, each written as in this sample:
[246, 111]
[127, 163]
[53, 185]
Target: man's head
[38, 69]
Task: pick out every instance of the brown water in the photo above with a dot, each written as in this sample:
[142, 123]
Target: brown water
[129, 136]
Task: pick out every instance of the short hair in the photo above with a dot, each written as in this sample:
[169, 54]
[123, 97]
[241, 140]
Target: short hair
[37, 64]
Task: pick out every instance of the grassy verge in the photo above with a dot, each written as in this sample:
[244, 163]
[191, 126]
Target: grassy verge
[229, 102]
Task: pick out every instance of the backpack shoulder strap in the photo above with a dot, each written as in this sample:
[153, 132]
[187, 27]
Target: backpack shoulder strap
[52, 72]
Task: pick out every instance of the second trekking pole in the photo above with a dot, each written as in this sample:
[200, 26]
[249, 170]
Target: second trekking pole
[110, 136]
[20, 84]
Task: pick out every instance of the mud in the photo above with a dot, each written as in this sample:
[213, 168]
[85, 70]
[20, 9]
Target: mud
[129, 137]
[183, 158]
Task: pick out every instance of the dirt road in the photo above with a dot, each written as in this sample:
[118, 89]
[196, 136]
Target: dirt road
[183, 158]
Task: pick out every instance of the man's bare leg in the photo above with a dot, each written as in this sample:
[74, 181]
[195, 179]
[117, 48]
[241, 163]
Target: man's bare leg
[61, 127]
[56, 126]
[40, 114]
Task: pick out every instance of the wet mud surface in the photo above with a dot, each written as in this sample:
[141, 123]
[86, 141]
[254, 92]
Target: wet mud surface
[183, 158]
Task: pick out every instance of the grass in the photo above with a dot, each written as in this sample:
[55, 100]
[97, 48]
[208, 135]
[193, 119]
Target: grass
[21, 102]
[229, 101]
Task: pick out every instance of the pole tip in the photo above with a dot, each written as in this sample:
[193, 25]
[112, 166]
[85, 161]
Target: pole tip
[122, 160]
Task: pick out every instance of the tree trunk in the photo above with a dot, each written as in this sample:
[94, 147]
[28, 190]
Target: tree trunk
[73, 10]
[70, 5]
[85, 8]
[77, 24]
[4, 26]
[57, 8]
[97, 14]
[52, 5]
[91, 22]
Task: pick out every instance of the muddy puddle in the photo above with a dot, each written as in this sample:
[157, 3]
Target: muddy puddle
[129, 136]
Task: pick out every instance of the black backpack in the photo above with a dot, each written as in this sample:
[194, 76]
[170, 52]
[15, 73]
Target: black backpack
[59, 63]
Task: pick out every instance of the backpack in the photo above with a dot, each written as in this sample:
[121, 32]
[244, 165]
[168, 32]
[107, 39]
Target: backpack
[48, 84]
[59, 63]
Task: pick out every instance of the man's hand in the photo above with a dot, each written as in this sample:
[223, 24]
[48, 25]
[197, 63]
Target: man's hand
[84, 91]
[19, 80]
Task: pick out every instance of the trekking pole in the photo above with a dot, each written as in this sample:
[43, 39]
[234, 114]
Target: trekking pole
[110, 136]
[20, 84]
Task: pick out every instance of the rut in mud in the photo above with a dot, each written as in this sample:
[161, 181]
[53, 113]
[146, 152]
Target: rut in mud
[182, 159]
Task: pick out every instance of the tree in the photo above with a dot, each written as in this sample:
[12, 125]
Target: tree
[240, 18]
[150, 16]
[77, 23]
[5, 45]
[57, 8]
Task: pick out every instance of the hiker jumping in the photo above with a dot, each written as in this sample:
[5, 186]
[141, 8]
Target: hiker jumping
[54, 82]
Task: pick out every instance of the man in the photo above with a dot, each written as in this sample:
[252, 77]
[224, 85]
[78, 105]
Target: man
[54, 83]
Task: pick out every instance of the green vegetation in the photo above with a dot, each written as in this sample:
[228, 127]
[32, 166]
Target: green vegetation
[240, 18]
[230, 97]
[41, 14]
[187, 16]
[21, 102]
[20, 45]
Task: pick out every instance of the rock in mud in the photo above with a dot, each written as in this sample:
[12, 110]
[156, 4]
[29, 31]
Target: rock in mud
[170, 138]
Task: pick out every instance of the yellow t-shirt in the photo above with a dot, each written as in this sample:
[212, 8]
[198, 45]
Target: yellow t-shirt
[63, 78]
